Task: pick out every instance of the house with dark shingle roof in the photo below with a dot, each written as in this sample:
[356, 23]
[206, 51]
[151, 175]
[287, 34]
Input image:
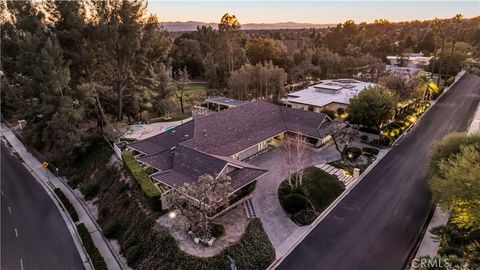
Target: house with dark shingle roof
[220, 143]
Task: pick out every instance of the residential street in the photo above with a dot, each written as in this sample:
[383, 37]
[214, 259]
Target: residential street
[33, 232]
[377, 224]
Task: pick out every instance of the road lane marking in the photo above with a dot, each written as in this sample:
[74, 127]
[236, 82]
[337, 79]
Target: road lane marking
[16, 232]
[10, 210]
[21, 264]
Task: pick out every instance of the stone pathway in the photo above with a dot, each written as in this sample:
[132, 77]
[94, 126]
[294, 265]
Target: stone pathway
[347, 180]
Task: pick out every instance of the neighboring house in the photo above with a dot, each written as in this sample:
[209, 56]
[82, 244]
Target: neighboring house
[408, 65]
[328, 94]
[220, 143]
[221, 103]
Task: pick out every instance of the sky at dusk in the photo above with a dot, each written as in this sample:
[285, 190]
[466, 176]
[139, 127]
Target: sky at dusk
[310, 11]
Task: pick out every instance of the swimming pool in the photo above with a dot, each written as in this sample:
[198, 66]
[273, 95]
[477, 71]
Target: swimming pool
[136, 127]
[169, 128]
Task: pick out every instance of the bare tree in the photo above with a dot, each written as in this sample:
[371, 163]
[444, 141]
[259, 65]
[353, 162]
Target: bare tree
[296, 156]
[343, 136]
[199, 200]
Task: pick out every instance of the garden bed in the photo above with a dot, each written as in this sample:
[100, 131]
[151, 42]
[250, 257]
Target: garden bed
[305, 203]
[145, 247]
[403, 121]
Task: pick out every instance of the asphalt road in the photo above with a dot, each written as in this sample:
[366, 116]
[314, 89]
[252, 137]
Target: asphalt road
[377, 224]
[34, 234]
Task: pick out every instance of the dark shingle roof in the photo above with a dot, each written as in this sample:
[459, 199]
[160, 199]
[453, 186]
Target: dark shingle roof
[204, 145]
[304, 122]
[160, 161]
[189, 165]
[231, 131]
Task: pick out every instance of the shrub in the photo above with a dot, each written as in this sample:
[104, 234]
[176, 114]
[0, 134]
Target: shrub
[133, 253]
[67, 204]
[319, 190]
[370, 150]
[89, 190]
[111, 229]
[74, 180]
[306, 216]
[217, 230]
[293, 203]
[340, 111]
[329, 113]
[385, 141]
[142, 178]
[353, 153]
[97, 259]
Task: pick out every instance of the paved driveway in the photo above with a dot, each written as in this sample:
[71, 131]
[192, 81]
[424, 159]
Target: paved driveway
[276, 223]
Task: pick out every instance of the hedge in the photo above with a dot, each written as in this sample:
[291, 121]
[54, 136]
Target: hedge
[95, 256]
[370, 150]
[142, 178]
[67, 204]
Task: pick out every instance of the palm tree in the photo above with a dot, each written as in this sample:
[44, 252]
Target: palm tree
[438, 28]
[457, 27]
[423, 82]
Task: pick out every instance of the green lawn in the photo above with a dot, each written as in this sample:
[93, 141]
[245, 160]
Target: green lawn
[319, 189]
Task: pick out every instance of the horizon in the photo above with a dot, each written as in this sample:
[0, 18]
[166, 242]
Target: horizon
[311, 12]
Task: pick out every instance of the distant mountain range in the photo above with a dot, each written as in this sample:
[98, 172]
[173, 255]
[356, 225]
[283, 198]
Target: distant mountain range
[192, 25]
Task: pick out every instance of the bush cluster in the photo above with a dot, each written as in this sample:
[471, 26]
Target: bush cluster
[217, 230]
[144, 247]
[402, 122]
[142, 178]
[67, 204]
[319, 189]
[97, 259]
[89, 190]
[294, 202]
[370, 151]
[305, 216]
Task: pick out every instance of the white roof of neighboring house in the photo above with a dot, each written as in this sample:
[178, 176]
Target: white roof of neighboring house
[328, 91]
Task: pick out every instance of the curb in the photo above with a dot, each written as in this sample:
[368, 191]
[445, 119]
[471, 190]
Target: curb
[119, 263]
[71, 226]
[353, 185]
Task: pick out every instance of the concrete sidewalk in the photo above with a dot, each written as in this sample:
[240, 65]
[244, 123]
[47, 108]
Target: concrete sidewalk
[47, 178]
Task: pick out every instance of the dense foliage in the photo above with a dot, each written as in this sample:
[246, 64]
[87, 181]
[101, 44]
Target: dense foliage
[141, 177]
[125, 217]
[75, 69]
[372, 107]
[318, 190]
[453, 173]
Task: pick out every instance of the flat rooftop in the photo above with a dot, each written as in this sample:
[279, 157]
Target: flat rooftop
[328, 91]
[226, 101]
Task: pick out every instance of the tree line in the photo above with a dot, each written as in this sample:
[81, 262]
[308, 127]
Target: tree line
[75, 69]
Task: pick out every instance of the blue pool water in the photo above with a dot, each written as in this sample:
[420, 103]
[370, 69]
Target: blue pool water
[136, 127]
[169, 128]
